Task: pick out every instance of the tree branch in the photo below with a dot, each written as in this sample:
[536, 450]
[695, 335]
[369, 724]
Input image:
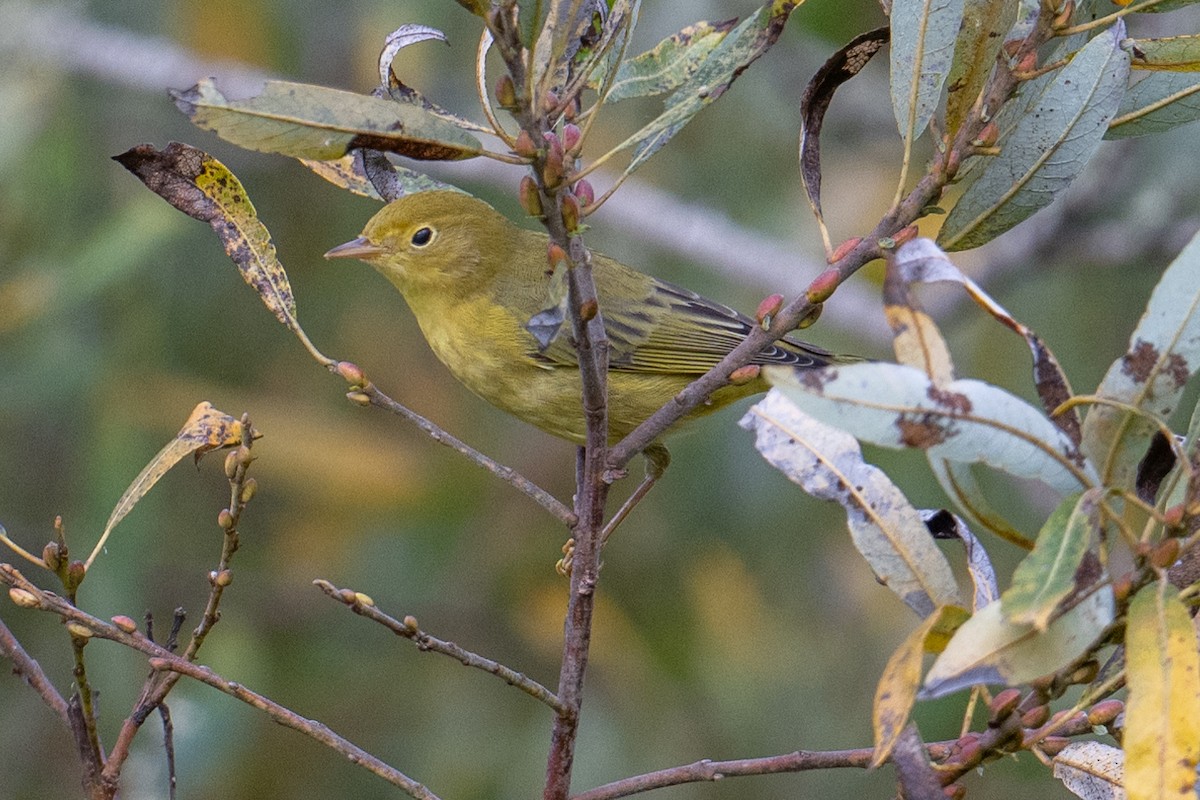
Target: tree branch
[290, 719]
[505, 473]
[162, 659]
[407, 628]
[31, 672]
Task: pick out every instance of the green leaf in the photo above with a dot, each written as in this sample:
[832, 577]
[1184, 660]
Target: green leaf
[923, 36]
[669, 64]
[984, 25]
[1158, 102]
[1162, 713]
[1163, 354]
[989, 648]
[1049, 147]
[965, 420]
[740, 48]
[1047, 575]
[884, 526]
[837, 69]
[315, 122]
[1173, 53]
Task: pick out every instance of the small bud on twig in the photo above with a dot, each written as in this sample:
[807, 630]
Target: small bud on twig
[524, 145]
[506, 92]
[823, 286]
[571, 137]
[23, 598]
[571, 212]
[767, 310]
[744, 375]
[531, 201]
[584, 191]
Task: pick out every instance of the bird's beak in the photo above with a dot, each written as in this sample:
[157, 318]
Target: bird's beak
[356, 248]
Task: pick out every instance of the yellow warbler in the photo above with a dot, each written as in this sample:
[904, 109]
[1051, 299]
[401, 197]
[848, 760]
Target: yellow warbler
[474, 279]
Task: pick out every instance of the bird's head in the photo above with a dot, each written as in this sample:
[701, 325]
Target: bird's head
[429, 240]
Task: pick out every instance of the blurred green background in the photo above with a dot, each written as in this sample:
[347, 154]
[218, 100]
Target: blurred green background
[734, 620]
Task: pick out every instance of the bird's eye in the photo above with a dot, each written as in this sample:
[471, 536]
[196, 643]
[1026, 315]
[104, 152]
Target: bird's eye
[422, 237]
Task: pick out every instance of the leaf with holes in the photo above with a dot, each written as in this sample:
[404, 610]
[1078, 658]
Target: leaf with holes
[966, 420]
[1163, 355]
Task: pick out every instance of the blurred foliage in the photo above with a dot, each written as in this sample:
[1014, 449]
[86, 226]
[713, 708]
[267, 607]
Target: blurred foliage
[735, 618]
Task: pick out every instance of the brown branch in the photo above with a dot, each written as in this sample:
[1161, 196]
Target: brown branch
[30, 671]
[505, 473]
[707, 770]
[926, 193]
[915, 774]
[157, 685]
[290, 719]
[162, 659]
[407, 628]
[954, 758]
[591, 345]
[94, 784]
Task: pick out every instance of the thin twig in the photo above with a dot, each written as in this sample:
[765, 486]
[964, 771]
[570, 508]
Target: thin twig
[926, 192]
[158, 685]
[707, 770]
[31, 672]
[290, 719]
[425, 642]
[505, 473]
[162, 659]
[591, 346]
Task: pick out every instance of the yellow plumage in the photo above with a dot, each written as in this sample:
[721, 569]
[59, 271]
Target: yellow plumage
[473, 279]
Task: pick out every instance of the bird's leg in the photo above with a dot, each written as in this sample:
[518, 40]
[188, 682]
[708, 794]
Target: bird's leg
[658, 458]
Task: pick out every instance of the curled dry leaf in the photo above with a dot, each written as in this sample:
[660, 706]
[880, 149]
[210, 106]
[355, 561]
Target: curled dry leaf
[203, 188]
[206, 429]
[841, 67]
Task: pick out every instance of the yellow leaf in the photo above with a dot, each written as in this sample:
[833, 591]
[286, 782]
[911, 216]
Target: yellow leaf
[206, 429]
[1162, 715]
[897, 689]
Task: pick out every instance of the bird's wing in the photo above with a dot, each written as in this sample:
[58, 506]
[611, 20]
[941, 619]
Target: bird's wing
[673, 330]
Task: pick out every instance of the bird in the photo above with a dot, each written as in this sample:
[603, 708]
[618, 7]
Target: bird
[474, 280]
